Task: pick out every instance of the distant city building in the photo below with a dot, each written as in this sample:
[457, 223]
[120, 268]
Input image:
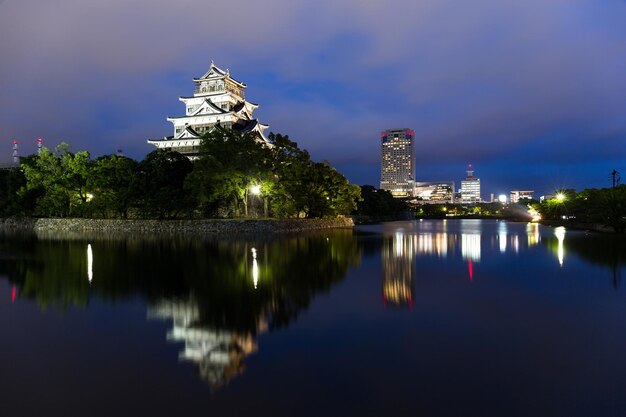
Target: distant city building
[218, 99]
[435, 192]
[470, 187]
[398, 166]
[516, 195]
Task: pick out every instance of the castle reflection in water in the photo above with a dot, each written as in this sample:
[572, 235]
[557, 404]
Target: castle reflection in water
[221, 295]
[401, 250]
[218, 354]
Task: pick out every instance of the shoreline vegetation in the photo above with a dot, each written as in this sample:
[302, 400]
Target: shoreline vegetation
[230, 176]
[237, 178]
[601, 210]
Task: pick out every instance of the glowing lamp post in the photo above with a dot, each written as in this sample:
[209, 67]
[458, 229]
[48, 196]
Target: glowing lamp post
[256, 190]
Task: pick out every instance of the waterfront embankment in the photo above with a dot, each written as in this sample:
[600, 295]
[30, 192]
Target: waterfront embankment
[590, 227]
[178, 227]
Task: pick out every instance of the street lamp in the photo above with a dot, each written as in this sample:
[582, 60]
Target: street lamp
[255, 190]
[560, 196]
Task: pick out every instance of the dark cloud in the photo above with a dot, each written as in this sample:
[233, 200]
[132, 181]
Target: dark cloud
[536, 83]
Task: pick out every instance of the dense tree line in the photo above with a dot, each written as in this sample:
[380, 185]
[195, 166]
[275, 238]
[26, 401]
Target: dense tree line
[603, 206]
[479, 210]
[234, 175]
[377, 203]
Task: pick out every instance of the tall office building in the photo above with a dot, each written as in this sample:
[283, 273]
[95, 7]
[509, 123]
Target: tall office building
[470, 187]
[398, 161]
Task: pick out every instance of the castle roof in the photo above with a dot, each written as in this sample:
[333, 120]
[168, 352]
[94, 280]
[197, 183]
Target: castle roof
[216, 72]
[251, 126]
[189, 132]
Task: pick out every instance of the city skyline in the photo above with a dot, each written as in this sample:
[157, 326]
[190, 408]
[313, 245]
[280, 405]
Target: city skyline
[532, 94]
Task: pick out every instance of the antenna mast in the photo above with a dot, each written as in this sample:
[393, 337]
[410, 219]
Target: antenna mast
[16, 153]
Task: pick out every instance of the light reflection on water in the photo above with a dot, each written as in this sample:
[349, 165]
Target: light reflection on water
[433, 239]
[493, 290]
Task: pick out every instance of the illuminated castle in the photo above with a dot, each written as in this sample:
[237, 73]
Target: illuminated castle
[218, 99]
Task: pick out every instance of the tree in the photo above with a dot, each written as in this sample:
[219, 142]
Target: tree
[228, 165]
[112, 185]
[61, 177]
[305, 187]
[11, 180]
[158, 188]
[375, 202]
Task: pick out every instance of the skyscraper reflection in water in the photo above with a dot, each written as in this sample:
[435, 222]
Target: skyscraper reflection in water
[398, 270]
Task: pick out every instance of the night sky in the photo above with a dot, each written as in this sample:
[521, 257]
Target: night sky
[531, 92]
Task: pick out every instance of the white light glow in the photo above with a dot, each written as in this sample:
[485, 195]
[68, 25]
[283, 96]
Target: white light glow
[255, 268]
[255, 189]
[502, 198]
[532, 230]
[502, 235]
[470, 246]
[89, 263]
[559, 232]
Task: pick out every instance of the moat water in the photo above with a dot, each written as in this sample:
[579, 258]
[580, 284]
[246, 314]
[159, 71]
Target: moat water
[423, 318]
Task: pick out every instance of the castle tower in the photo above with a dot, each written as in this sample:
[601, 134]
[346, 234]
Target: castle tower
[218, 99]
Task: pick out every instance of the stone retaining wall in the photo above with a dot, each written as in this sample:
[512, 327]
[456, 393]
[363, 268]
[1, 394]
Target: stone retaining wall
[200, 227]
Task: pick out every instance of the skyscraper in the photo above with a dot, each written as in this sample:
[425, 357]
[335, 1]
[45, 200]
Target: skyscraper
[398, 166]
[470, 187]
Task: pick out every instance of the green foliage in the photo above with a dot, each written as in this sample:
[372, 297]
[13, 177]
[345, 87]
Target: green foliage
[158, 187]
[604, 206]
[61, 180]
[483, 210]
[235, 175]
[111, 185]
[229, 164]
[11, 181]
[291, 185]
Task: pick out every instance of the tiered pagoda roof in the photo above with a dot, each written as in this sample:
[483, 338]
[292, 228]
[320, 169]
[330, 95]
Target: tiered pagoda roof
[218, 99]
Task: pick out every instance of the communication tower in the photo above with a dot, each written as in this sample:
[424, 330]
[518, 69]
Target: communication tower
[16, 153]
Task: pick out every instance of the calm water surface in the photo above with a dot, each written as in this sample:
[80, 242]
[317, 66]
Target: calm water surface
[431, 318]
